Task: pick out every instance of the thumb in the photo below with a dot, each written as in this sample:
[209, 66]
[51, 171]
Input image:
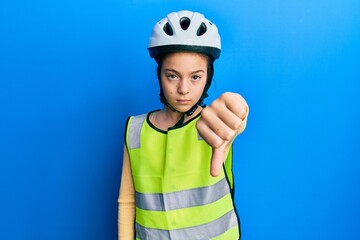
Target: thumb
[218, 157]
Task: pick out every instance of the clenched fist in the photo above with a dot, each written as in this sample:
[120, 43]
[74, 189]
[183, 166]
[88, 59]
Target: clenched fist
[219, 125]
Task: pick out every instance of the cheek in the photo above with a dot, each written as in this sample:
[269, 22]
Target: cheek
[200, 88]
[199, 91]
[168, 90]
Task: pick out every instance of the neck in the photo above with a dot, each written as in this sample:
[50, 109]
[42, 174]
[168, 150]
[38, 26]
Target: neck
[166, 118]
[170, 115]
[176, 116]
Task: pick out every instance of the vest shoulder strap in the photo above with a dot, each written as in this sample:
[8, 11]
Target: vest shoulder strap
[134, 130]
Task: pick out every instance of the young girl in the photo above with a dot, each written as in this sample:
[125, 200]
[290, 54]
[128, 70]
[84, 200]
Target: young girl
[177, 180]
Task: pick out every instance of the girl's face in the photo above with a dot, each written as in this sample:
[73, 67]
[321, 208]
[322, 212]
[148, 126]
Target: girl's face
[183, 79]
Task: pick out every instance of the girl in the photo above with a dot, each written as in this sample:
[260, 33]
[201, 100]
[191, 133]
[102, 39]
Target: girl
[177, 180]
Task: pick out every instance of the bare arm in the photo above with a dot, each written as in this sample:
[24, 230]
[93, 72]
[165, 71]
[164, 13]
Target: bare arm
[126, 201]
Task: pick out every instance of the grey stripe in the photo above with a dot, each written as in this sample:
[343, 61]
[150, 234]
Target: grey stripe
[134, 131]
[182, 199]
[200, 137]
[201, 232]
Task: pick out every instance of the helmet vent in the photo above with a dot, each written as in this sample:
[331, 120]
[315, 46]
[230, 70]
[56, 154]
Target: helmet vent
[201, 30]
[184, 23]
[168, 29]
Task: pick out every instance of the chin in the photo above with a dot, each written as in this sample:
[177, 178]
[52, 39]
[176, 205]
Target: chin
[182, 109]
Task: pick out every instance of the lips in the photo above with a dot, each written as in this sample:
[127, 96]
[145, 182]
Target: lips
[183, 101]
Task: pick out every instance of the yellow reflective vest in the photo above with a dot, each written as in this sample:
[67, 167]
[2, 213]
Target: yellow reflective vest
[176, 197]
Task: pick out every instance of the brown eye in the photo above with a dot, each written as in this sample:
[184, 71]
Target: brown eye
[196, 78]
[171, 76]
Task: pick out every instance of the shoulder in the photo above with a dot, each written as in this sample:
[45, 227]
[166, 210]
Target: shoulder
[136, 120]
[139, 117]
[133, 128]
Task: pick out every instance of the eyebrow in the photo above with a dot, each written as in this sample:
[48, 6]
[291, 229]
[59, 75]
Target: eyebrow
[173, 70]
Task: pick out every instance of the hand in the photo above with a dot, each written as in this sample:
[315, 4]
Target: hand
[219, 125]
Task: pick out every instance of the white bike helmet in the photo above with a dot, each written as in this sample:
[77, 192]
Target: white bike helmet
[185, 31]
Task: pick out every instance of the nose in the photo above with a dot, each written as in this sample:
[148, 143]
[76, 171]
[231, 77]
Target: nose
[183, 87]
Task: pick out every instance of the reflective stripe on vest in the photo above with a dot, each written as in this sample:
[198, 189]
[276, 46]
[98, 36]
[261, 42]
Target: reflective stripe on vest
[201, 232]
[135, 126]
[182, 199]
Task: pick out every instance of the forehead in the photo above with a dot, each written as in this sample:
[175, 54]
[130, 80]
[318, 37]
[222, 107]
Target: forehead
[186, 58]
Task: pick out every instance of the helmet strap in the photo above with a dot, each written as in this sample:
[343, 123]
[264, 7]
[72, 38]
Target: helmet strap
[165, 102]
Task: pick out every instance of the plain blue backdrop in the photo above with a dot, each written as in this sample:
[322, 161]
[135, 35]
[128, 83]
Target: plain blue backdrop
[71, 72]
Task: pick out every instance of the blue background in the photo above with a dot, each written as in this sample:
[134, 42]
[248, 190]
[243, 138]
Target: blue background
[72, 71]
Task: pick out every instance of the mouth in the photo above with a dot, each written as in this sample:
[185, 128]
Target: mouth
[183, 101]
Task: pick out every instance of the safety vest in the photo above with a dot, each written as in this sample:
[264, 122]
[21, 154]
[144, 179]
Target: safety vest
[176, 197]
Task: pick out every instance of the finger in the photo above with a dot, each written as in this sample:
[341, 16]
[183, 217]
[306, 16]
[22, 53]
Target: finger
[208, 134]
[216, 162]
[218, 157]
[217, 125]
[235, 103]
[228, 117]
